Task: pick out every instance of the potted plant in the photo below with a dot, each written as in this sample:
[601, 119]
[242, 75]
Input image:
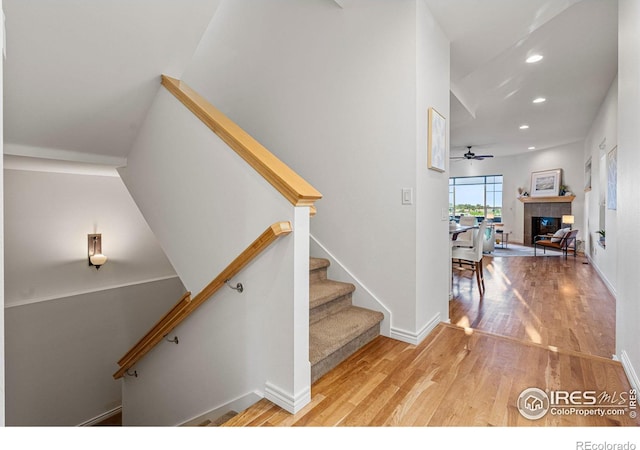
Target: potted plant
[602, 235]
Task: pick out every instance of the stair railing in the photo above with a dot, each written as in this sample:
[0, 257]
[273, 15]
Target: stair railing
[186, 305]
[291, 185]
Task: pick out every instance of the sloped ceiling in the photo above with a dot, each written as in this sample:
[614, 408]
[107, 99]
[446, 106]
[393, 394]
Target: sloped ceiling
[493, 87]
[80, 75]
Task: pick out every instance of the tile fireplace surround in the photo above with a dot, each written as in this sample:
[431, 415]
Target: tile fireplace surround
[543, 207]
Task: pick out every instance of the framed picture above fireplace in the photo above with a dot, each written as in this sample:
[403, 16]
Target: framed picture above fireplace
[546, 183]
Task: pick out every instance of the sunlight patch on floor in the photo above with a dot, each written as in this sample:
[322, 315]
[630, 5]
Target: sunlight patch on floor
[464, 322]
[526, 306]
[533, 334]
[501, 275]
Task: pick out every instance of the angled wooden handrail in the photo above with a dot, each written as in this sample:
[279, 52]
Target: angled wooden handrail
[186, 305]
[291, 185]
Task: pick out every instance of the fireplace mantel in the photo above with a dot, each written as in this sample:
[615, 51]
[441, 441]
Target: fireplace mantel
[559, 199]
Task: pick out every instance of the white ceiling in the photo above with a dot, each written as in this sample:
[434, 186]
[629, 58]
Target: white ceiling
[493, 87]
[80, 75]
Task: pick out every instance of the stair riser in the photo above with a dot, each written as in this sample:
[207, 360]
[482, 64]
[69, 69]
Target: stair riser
[317, 275]
[332, 307]
[333, 360]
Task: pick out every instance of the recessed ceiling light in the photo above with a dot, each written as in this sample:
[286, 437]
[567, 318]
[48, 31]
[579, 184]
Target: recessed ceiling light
[524, 127]
[540, 100]
[531, 148]
[534, 58]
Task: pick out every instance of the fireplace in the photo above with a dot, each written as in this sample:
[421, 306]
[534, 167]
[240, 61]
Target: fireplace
[540, 208]
[544, 225]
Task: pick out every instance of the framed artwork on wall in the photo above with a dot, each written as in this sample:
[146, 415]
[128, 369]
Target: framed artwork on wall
[587, 175]
[546, 183]
[437, 145]
[612, 179]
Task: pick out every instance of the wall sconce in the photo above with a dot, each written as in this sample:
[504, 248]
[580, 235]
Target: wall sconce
[96, 258]
[569, 220]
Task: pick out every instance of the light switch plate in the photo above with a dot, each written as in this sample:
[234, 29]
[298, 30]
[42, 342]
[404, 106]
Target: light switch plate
[407, 196]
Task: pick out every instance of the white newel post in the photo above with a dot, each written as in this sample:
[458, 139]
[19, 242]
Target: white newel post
[288, 369]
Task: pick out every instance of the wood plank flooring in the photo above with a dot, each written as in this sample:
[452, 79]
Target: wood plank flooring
[546, 323]
[545, 300]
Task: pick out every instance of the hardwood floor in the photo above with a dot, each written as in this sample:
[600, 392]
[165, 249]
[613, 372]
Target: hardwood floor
[544, 300]
[546, 323]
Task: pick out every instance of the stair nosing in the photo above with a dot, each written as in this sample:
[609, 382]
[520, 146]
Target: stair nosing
[318, 263]
[338, 290]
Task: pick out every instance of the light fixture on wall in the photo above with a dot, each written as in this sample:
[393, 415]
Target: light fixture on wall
[96, 258]
[568, 220]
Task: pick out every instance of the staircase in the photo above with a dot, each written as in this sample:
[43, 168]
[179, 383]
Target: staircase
[337, 329]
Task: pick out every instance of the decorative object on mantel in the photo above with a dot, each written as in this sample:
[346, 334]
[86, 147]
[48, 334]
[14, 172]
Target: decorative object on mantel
[602, 235]
[546, 183]
[564, 190]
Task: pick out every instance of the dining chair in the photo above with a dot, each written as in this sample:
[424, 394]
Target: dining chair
[471, 258]
[466, 239]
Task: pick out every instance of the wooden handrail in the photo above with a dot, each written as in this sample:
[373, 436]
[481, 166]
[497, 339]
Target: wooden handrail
[186, 305]
[293, 187]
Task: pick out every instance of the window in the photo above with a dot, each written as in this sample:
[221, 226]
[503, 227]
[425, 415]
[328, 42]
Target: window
[476, 196]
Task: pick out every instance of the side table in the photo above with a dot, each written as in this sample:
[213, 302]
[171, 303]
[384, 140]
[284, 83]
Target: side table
[503, 238]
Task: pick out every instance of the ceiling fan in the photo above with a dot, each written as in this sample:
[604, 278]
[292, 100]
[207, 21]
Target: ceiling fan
[471, 155]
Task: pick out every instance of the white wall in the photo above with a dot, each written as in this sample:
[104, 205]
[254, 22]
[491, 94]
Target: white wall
[603, 132]
[61, 354]
[67, 324]
[48, 217]
[206, 205]
[517, 170]
[628, 282]
[2, 352]
[432, 295]
[335, 93]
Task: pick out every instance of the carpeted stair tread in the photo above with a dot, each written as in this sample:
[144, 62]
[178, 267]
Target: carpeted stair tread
[318, 263]
[324, 291]
[333, 332]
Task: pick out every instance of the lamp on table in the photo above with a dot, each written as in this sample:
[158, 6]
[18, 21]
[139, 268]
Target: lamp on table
[568, 220]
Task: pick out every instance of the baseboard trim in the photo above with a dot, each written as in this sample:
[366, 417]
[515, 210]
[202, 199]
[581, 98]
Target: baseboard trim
[239, 404]
[416, 338]
[362, 296]
[104, 416]
[285, 400]
[604, 279]
[629, 370]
